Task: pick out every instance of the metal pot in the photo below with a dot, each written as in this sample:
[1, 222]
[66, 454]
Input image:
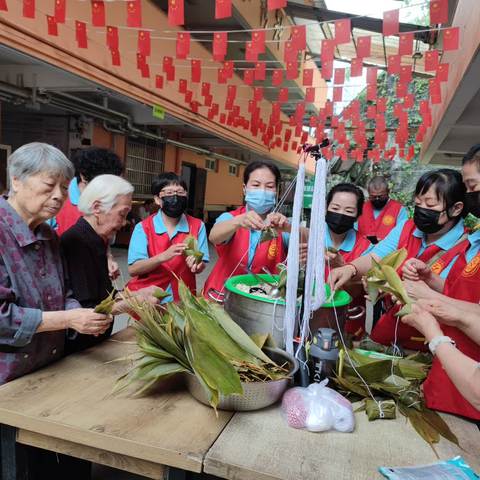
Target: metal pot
[256, 395]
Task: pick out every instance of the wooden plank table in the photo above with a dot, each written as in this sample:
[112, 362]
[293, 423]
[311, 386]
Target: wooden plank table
[66, 408]
[260, 446]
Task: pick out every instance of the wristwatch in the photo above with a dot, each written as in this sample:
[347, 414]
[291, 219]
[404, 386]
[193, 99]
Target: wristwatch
[435, 342]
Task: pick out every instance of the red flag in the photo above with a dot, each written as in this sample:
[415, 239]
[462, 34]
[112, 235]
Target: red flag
[372, 74]
[290, 53]
[52, 26]
[310, 94]
[260, 71]
[29, 8]
[250, 54]
[98, 13]
[141, 61]
[402, 89]
[205, 89]
[277, 77]
[175, 12]
[221, 77]
[219, 45]
[115, 57]
[3, 6]
[134, 13]
[434, 87]
[328, 48]
[283, 95]
[406, 73]
[182, 86]
[292, 70]
[394, 64]
[231, 92]
[223, 9]
[442, 72]
[431, 60]
[188, 96]
[248, 75]
[356, 67]
[258, 41]
[112, 38]
[168, 68]
[144, 45]
[183, 45]
[371, 112]
[274, 4]
[339, 76]
[159, 81]
[337, 94]
[381, 105]
[405, 43]
[228, 68]
[307, 77]
[451, 38]
[438, 11]
[60, 11]
[196, 70]
[372, 92]
[364, 46]
[81, 34]
[408, 101]
[299, 37]
[327, 70]
[391, 22]
[208, 100]
[258, 93]
[342, 30]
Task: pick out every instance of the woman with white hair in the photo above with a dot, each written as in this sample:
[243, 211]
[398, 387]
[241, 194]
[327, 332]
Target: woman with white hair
[105, 203]
[35, 305]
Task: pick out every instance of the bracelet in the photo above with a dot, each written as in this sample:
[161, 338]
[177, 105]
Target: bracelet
[355, 269]
[435, 342]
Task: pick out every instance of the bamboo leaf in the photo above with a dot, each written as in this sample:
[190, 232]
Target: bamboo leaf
[439, 424]
[395, 283]
[395, 259]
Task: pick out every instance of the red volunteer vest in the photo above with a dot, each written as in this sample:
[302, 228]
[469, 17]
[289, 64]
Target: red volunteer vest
[67, 217]
[407, 336]
[462, 283]
[233, 257]
[379, 227]
[169, 272]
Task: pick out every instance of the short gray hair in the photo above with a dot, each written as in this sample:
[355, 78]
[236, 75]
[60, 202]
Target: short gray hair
[378, 182]
[34, 158]
[104, 189]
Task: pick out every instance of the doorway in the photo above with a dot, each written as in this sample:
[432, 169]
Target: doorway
[196, 180]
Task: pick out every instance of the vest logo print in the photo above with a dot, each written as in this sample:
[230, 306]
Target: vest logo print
[472, 268]
[437, 267]
[272, 250]
[388, 220]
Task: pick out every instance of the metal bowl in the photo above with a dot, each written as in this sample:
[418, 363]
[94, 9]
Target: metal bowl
[256, 395]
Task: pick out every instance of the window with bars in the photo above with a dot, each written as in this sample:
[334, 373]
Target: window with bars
[145, 159]
[211, 164]
[233, 169]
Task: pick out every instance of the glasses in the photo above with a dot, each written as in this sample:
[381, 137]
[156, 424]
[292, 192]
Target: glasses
[169, 192]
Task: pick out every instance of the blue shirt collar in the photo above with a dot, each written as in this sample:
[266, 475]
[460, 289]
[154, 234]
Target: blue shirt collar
[74, 192]
[348, 242]
[160, 228]
[447, 240]
[474, 237]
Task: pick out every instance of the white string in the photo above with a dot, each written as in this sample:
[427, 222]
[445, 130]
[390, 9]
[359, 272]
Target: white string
[293, 258]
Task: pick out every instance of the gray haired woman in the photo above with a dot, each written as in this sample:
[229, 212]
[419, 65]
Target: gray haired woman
[105, 203]
[35, 304]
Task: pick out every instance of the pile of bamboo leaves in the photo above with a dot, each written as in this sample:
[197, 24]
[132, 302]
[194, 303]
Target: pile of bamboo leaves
[383, 278]
[397, 379]
[195, 337]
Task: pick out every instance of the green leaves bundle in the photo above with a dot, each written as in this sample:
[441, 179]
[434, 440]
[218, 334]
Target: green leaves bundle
[192, 249]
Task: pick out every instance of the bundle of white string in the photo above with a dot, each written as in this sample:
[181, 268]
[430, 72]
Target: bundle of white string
[293, 260]
[314, 291]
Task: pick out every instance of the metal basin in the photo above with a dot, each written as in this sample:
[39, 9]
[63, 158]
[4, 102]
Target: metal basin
[256, 395]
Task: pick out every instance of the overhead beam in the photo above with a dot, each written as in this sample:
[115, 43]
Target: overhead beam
[370, 24]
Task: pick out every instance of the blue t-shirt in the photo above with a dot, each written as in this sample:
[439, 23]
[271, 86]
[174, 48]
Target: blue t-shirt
[391, 243]
[74, 196]
[138, 247]
[474, 249]
[254, 237]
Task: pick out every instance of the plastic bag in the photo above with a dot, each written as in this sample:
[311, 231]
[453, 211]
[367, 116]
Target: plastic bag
[317, 408]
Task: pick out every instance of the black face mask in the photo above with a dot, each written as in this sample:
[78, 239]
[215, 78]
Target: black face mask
[379, 203]
[174, 205]
[338, 222]
[472, 203]
[426, 219]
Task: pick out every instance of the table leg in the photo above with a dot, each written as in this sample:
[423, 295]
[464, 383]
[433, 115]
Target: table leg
[175, 474]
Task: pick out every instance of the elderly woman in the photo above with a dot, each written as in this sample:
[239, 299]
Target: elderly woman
[105, 203]
[35, 305]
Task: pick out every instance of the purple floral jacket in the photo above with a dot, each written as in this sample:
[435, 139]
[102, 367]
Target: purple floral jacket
[31, 281]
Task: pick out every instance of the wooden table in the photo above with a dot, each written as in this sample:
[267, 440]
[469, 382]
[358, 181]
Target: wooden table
[260, 446]
[66, 408]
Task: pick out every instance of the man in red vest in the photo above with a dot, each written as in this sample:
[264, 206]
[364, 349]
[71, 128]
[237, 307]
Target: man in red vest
[381, 213]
